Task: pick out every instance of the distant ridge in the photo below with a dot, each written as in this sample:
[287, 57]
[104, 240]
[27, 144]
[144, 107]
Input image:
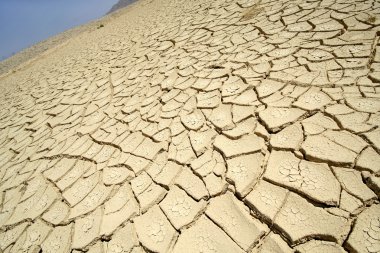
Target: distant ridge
[120, 4]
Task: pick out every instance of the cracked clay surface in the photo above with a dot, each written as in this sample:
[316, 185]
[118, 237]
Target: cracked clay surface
[198, 126]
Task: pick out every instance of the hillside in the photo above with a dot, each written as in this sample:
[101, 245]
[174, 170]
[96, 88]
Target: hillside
[120, 4]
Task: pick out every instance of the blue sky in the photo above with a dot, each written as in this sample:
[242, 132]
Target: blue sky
[26, 22]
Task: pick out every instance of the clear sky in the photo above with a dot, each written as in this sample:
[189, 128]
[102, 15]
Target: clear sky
[26, 22]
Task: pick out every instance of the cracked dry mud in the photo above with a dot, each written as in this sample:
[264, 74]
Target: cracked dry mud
[199, 126]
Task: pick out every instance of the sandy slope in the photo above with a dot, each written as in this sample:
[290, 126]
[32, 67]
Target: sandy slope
[24, 57]
[198, 126]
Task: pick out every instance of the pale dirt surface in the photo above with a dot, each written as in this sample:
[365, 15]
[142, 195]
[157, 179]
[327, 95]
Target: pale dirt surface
[198, 126]
[27, 56]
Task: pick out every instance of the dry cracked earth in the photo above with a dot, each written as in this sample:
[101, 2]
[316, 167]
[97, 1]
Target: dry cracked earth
[199, 126]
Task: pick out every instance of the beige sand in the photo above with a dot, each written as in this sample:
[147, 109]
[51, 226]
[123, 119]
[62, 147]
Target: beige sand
[198, 126]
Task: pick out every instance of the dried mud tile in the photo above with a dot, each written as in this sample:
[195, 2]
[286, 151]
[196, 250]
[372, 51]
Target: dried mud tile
[205, 236]
[34, 236]
[86, 229]
[243, 128]
[122, 207]
[351, 181]
[123, 240]
[130, 143]
[168, 173]
[94, 199]
[59, 240]
[136, 163]
[56, 213]
[80, 189]
[151, 196]
[374, 137]
[365, 234]
[116, 175]
[201, 140]
[268, 87]
[290, 137]
[322, 149]
[245, 145]
[313, 99]
[314, 180]
[154, 230]
[221, 117]
[236, 221]
[275, 118]
[273, 243]
[300, 220]
[347, 140]
[141, 183]
[59, 169]
[192, 184]
[266, 199]
[368, 160]
[75, 173]
[315, 246]
[179, 208]
[34, 206]
[349, 203]
[244, 172]
[10, 236]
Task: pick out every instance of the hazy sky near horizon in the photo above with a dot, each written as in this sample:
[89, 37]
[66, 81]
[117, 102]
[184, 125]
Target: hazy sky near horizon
[26, 22]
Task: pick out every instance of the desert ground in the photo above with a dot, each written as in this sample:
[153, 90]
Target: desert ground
[198, 126]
